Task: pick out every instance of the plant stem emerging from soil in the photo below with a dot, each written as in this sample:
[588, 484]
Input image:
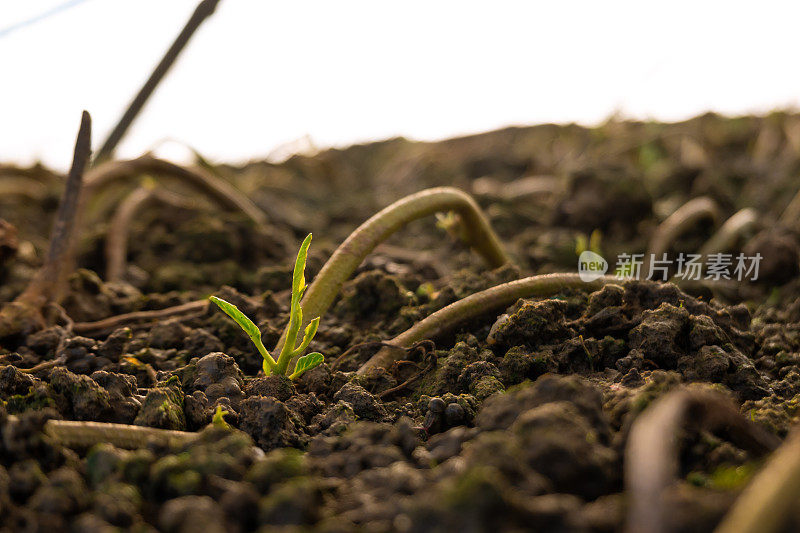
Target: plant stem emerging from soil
[766, 502]
[741, 223]
[367, 236]
[116, 250]
[204, 10]
[25, 312]
[651, 454]
[677, 223]
[221, 191]
[479, 304]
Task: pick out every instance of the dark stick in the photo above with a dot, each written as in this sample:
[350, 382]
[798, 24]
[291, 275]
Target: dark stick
[204, 10]
[24, 314]
[45, 285]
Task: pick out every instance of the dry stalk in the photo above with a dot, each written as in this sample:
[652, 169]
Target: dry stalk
[24, 314]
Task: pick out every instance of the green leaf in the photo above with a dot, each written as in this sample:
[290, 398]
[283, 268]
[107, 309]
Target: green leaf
[219, 418]
[308, 335]
[298, 278]
[240, 318]
[251, 329]
[307, 362]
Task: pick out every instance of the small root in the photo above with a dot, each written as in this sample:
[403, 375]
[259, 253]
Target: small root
[197, 306]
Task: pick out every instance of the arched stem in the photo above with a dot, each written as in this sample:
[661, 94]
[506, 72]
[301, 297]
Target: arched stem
[116, 250]
[678, 223]
[479, 234]
[741, 223]
[224, 193]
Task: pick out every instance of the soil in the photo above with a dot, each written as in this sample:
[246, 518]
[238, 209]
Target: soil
[516, 422]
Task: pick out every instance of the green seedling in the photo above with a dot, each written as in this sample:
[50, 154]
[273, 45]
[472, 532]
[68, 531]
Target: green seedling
[593, 243]
[290, 348]
[218, 419]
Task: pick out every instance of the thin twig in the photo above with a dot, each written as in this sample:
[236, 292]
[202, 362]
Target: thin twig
[431, 357]
[204, 10]
[121, 320]
[517, 190]
[651, 454]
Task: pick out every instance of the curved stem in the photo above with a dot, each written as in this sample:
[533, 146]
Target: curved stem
[367, 236]
[479, 304]
[677, 223]
[681, 220]
[651, 453]
[768, 499]
[221, 191]
[36, 173]
[117, 239]
[116, 250]
[741, 223]
[87, 434]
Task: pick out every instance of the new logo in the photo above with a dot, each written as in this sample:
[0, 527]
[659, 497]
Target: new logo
[591, 266]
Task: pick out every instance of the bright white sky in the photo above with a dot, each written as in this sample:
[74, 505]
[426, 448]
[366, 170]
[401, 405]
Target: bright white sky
[260, 74]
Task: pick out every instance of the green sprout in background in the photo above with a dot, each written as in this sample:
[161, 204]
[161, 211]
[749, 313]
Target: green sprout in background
[289, 350]
[593, 243]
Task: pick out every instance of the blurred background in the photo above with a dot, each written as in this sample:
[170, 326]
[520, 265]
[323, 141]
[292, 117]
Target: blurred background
[266, 79]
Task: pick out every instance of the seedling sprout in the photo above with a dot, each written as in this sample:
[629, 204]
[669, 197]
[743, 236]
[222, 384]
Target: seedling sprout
[290, 348]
